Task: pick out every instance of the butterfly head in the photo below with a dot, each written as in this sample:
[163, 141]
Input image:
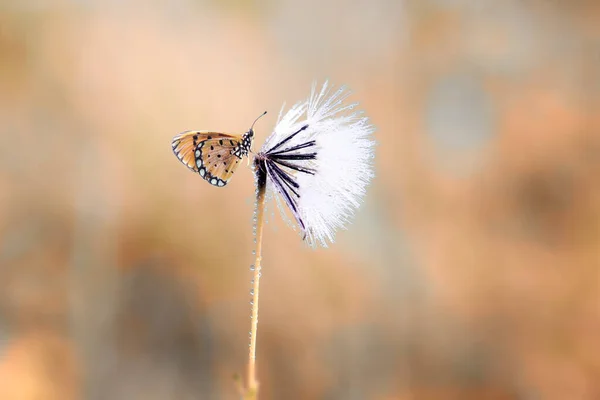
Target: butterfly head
[246, 142]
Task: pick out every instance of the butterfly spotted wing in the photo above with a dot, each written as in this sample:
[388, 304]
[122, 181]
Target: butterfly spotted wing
[213, 155]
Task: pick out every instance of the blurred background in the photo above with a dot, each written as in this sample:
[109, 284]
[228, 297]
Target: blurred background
[472, 271]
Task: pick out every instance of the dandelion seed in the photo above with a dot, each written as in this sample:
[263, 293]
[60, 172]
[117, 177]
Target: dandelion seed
[318, 161]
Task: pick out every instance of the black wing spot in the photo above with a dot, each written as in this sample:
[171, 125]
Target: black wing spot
[209, 137]
[232, 142]
[221, 142]
[212, 148]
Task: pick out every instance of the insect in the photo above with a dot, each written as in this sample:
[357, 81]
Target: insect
[213, 155]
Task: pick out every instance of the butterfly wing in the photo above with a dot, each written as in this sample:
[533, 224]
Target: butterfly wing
[184, 145]
[215, 160]
[208, 154]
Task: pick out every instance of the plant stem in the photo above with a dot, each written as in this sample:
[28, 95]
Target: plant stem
[260, 209]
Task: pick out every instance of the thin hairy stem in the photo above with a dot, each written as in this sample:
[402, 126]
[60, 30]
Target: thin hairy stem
[260, 219]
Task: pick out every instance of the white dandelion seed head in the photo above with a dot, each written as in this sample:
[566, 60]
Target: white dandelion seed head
[329, 149]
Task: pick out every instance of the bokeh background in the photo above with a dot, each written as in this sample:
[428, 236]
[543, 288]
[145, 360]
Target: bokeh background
[472, 271]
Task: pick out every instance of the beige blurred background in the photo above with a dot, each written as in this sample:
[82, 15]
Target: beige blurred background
[471, 272]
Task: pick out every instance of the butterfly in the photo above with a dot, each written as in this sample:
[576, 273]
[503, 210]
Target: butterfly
[213, 155]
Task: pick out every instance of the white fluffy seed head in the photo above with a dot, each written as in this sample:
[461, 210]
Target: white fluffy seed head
[343, 165]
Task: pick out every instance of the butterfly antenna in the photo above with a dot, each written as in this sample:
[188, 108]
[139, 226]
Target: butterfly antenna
[259, 117]
[251, 128]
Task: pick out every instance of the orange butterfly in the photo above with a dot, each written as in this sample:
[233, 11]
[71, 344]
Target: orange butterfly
[214, 155]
